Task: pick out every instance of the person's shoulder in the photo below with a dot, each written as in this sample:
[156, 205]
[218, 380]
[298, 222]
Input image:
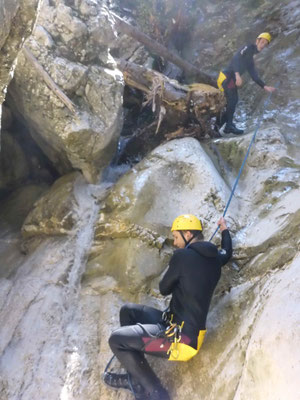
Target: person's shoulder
[178, 254]
[206, 249]
[246, 49]
[179, 251]
[178, 258]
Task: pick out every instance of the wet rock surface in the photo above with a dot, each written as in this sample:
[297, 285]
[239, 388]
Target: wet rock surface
[89, 248]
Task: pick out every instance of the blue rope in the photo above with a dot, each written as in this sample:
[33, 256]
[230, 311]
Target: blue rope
[245, 159]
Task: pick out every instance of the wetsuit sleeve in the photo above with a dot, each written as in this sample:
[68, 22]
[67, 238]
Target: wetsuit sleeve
[236, 62]
[171, 277]
[226, 244]
[254, 75]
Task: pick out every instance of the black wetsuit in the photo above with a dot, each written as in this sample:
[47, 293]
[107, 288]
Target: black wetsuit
[191, 278]
[242, 61]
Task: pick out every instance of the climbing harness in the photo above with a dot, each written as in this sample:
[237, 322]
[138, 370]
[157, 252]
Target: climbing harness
[221, 79]
[245, 159]
[183, 352]
[173, 332]
[170, 334]
[179, 351]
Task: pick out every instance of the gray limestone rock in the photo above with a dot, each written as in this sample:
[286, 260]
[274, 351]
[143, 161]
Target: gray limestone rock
[17, 18]
[19, 15]
[68, 44]
[176, 178]
[55, 213]
[14, 167]
[60, 301]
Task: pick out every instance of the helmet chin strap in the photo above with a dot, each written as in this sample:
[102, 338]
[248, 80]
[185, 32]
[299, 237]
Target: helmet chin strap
[186, 242]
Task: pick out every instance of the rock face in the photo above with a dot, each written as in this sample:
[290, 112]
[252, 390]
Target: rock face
[12, 173]
[21, 160]
[266, 240]
[129, 252]
[145, 200]
[88, 248]
[55, 212]
[71, 44]
[16, 22]
[62, 257]
[265, 359]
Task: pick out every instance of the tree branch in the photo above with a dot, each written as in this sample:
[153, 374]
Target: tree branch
[162, 51]
[48, 80]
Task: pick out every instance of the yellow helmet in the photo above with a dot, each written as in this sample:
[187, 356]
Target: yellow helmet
[265, 35]
[186, 222]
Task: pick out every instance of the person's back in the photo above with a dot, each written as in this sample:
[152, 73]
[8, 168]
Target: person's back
[192, 277]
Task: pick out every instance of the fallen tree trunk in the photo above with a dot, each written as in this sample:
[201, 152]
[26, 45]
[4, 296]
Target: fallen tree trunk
[162, 51]
[48, 80]
[173, 102]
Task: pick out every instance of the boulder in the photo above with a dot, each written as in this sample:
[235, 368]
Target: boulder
[69, 50]
[60, 301]
[16, 22]
[176, 178]
[55, 213]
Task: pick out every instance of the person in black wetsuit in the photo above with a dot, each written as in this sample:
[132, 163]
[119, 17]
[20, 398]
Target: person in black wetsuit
[230, 79]
[193, 273]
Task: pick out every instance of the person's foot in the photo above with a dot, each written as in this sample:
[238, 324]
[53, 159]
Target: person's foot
[116, 381]
[121, 381]
[231, 128]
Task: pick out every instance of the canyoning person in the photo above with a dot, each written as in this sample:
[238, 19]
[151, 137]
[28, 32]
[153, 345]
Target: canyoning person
[230, 79]
[176, 334]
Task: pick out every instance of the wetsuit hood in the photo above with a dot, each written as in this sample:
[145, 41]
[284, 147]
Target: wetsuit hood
[205, 249]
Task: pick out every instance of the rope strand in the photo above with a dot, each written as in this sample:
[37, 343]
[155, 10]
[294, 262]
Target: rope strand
[245, 159]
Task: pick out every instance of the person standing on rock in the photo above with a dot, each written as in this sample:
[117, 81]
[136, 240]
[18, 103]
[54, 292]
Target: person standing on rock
[177, 334]
[230, 79]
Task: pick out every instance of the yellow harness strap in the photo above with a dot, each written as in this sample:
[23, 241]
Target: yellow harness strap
[183, 352]
[221, 79]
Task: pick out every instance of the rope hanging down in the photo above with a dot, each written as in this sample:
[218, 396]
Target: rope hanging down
[245, 159]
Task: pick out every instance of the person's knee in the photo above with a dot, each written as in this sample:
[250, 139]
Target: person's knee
[126, 338]
[115, 340]
[126, 313]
